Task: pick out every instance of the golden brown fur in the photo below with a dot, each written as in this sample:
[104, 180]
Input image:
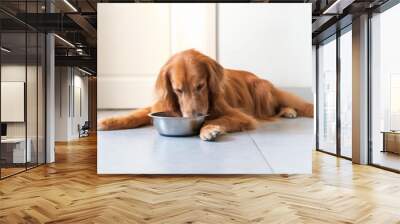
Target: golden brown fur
[191, 84]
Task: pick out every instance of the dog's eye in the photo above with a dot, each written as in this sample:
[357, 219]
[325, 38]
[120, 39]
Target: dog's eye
[179, 91]
[199, 87]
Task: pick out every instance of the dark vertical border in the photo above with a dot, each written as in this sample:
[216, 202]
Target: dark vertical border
[26, 86]
[45, 87]
[317, 96]
[37, 90]
[369, 88]
[338, 94]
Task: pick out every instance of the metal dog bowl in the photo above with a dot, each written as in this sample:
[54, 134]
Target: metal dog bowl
[169, 125]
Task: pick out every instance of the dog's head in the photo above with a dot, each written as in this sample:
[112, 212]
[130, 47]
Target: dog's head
[190, 83]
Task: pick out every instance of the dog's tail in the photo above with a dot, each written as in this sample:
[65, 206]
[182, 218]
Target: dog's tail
[287, 99]
[134, 119]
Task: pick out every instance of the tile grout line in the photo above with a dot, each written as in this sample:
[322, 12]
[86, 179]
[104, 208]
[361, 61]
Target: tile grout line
[262, 154]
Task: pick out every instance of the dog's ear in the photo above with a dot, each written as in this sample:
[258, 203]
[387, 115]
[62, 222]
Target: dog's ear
[215, 75]
[165, 92]
[162, 84]
[215, 79]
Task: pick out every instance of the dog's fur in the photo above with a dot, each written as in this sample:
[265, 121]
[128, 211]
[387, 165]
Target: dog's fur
[192, 84]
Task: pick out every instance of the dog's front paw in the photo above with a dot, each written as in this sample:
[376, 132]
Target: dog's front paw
[289, 113]
[210, 132]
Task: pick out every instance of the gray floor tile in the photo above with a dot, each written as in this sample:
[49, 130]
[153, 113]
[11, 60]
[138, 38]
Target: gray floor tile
[143, 151]
[283, 146]
[286, 144]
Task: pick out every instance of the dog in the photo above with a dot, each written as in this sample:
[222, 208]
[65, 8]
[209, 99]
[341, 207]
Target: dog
[193, 84]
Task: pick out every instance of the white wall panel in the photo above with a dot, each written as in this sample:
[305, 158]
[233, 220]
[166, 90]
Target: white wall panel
[270, 40]
[193, 26]
[133, 44]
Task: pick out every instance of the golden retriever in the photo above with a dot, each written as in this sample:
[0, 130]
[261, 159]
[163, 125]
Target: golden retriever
[193, 84]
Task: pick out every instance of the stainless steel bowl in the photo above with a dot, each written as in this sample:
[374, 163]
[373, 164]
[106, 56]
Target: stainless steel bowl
[169, 125]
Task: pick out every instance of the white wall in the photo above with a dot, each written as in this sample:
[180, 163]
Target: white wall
[133, 43]
[69, 82]
[62, 80]
[193, 26]
[135, 40]
[81, 104]
[82, 83]
[15, 72]
[270, 40]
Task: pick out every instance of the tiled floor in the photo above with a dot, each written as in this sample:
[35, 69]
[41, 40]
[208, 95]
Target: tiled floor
[283, 146]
